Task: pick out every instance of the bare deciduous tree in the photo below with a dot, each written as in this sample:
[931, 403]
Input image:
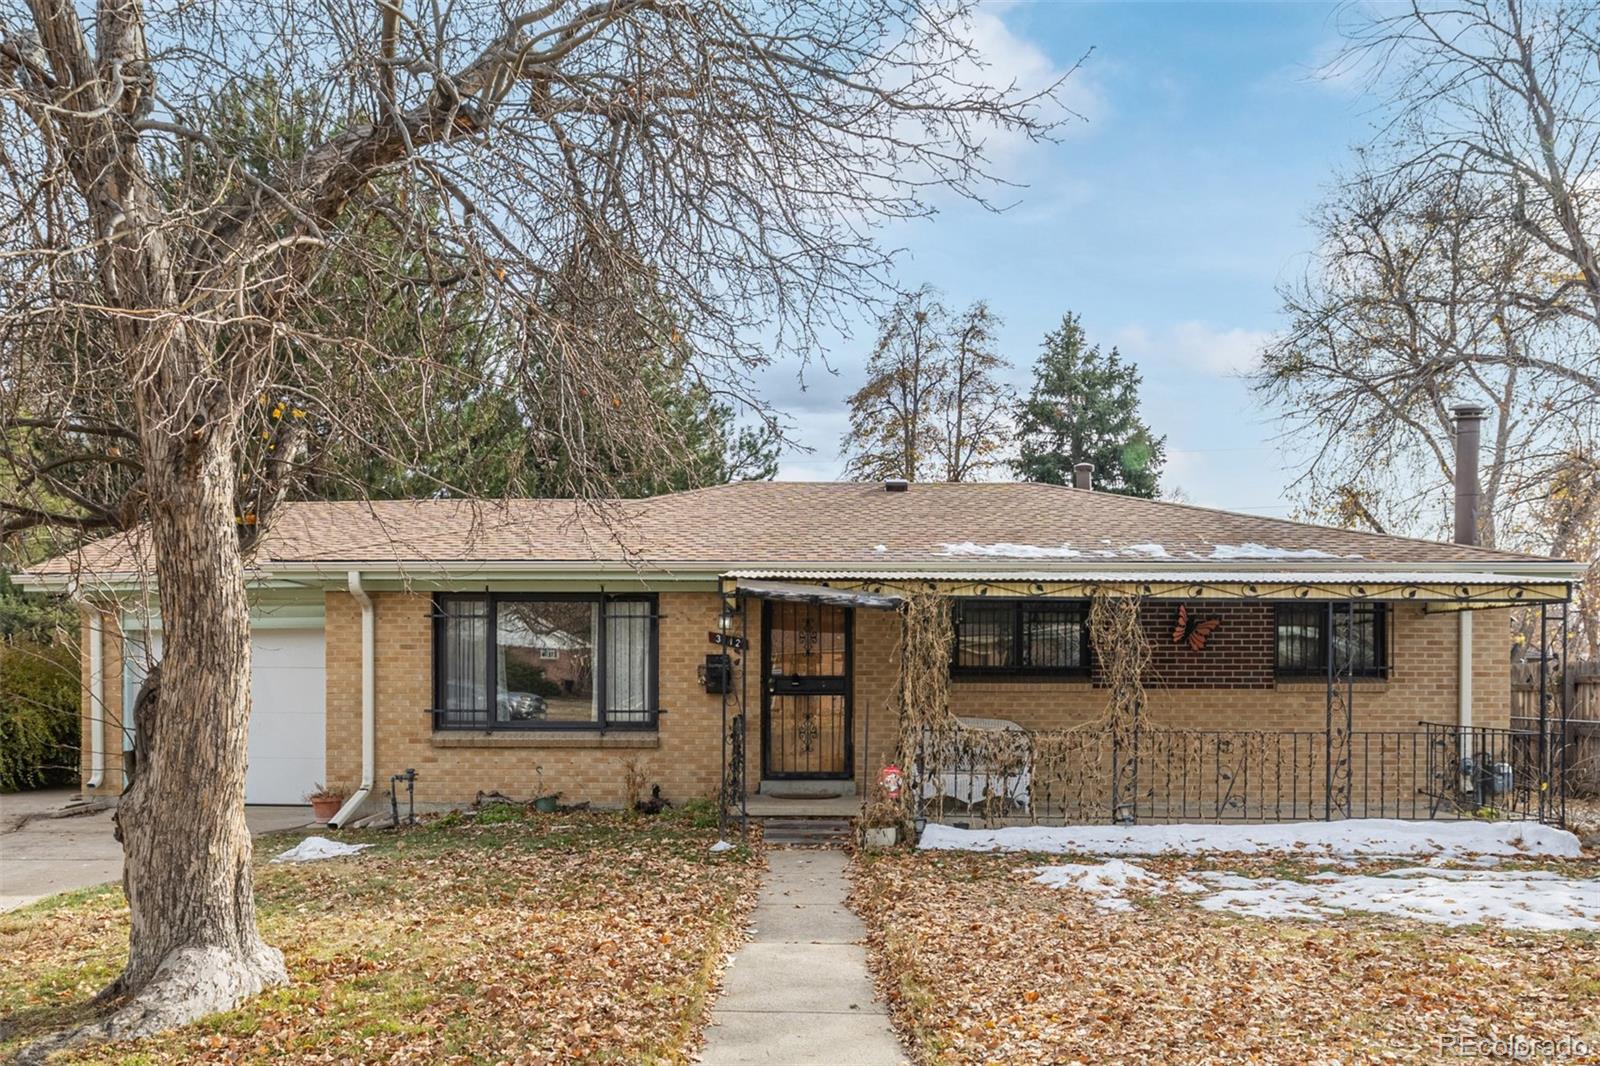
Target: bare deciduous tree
[894, 417]
[1408, 310]
[977, 405]
[1502, 96]
[932, 408]
[549, 188]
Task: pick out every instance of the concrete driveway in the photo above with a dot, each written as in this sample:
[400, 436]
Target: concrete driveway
[47, 855]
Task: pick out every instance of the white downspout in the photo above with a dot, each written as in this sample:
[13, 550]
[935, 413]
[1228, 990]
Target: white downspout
[369, 701]
[1464, 674]
[97, 699]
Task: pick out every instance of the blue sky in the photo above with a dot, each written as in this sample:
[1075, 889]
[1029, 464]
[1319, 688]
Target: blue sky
[1166, 221]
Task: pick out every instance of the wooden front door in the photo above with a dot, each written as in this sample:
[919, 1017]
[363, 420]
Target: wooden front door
[805, 691]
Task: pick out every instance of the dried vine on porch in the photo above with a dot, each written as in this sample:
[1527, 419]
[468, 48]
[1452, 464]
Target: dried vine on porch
[1069, 767]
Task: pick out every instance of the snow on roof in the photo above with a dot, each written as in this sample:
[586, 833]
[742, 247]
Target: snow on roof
[1247, 550]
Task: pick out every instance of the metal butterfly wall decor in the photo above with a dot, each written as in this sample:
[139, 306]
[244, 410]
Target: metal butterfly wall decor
[1194, 631]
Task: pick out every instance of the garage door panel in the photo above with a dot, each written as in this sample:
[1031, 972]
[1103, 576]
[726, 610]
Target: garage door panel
[288, 717]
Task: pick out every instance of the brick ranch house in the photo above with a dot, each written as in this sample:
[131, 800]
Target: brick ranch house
[500, 646]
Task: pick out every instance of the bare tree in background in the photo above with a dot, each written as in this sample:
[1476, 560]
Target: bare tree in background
[549, 188]
[1458, 264]
[932, 408]
[894, 418]
[1408, 310]
[977, 405]
[1503, 97]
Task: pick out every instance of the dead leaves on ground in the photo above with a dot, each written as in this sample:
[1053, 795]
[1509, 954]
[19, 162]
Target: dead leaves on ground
[597, 939]
[983, 966]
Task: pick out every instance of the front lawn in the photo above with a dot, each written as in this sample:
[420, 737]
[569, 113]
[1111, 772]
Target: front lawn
[581, 937]
[982, 965]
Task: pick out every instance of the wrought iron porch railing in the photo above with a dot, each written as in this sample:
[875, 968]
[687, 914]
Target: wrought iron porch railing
[1166, 775]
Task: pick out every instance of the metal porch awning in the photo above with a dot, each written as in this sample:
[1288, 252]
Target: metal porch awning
[887, 588]
[818, 593]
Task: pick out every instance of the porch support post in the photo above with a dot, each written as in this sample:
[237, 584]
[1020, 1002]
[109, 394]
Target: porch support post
[1544, 711]
[722, 791]
[1567, 736]
[1337, 774]
[742, 603]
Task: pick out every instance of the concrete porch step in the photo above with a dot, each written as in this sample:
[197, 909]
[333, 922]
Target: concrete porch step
[807, 789]
[788, 830]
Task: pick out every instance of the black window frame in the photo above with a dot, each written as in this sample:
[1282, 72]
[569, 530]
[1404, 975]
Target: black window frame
[1020, 606]
[1317, 613]
[484, 721]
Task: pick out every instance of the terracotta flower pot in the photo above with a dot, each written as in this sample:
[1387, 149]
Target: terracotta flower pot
[325, 807]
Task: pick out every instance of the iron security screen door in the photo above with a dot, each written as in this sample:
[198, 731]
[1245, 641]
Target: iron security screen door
[806, 691]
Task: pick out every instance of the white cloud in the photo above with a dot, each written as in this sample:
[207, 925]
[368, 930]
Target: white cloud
[1196, 345]
[1004, 60]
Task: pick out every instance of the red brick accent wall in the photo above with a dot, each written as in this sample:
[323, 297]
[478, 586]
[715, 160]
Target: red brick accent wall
[1238, 654]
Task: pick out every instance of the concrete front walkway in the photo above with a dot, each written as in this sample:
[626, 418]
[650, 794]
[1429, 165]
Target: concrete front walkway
[798, 992]
[49, 855]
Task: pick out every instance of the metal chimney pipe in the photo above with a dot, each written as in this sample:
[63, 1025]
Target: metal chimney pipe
[1469, 423]
[1083, 476]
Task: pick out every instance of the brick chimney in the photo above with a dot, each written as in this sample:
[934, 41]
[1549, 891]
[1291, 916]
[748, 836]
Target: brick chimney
[1469, 423]
[1083, 476]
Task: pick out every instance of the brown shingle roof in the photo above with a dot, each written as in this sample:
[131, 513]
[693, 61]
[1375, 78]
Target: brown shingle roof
[812, 524]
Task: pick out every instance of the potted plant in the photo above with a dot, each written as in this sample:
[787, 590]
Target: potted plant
[325, 802]
[544, 802]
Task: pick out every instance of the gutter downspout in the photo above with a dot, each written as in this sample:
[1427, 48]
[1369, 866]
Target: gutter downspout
[97, 698]
[1469, 420]
[369, 723]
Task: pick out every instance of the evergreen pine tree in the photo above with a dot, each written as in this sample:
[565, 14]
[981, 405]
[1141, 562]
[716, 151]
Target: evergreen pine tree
[1084, 407]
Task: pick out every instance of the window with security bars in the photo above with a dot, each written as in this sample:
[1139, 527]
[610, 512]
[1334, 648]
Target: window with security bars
[1360, 639]
[526, 661]
[1020, 637]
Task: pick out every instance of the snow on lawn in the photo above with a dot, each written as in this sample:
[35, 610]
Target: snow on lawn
[1109, 881]
[1370, 837]
[312, 849]
[1527, 899]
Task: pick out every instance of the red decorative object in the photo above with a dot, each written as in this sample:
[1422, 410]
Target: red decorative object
[890, 780]
[1193, 630]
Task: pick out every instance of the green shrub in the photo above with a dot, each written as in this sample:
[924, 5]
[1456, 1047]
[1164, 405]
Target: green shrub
[39, 734]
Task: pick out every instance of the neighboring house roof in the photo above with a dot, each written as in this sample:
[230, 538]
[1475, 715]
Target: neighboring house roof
[802, 525]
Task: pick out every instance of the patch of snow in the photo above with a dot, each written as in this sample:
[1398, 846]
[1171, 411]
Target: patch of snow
[1251, 550]
[312, 849]
[721, 846]
[1008, 550]
[880, 548]
[1531, 899]
[1534, 899]
[1152, 551]
[1350, 838]
[1107, 881]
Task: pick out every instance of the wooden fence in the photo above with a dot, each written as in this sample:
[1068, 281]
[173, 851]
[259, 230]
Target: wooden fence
[1582, 729]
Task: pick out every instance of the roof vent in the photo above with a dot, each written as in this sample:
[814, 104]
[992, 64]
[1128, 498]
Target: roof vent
[896, 484]
[1083, 475]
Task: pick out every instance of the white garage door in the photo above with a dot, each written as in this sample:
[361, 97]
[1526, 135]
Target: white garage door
[287, 739]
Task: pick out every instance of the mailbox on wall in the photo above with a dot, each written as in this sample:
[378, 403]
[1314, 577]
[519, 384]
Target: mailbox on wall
[717, 673]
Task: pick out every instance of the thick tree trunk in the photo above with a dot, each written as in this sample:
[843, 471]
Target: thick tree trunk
[194, 948]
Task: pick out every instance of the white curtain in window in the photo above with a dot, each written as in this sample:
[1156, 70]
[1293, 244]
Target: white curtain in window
[466, 633]
[627, 656]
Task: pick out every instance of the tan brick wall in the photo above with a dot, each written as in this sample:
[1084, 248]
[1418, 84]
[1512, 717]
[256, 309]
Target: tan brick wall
[685, 760]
